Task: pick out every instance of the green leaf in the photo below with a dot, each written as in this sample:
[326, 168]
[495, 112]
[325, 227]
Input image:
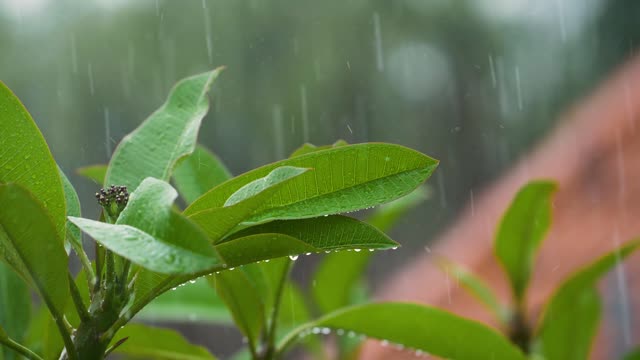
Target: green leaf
[570, 319]
[343, 179]
[237, 290]
[418, 328]
[338, 274]
[633, 355]
[308, 148]
[199, 173]
[25, 159]
[27, 237]
[152, 343]
[521, 231]
[195, 302]
[151, 234]
[254, 248]
[165, 137]
[477, 288]
[15, 310]
[73, 235]
[326, 233]
[218, 222]
[95, 173]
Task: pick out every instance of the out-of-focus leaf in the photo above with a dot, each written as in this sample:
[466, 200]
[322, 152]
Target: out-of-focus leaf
[308, 148]
[417, 328]
[73, 235]
[570, 319]
[347, 178]
[633, 355]
[218, 222]
[237, 290]
[386, 216]
[196, 302]
[521, 231]
[96, 173]
[476, 287]
[199, 173]
[152, 235]
[25, 159]
[15, 308]
[165, 137]
[152, 343]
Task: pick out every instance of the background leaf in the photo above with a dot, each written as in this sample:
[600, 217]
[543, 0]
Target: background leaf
[168, 135]
[26, 160]
[198, 173]
[521, 231]
[95, 173]
[633, 355]
[344, 179]
[418, 328]
[73, 236]
[571, 316]
[15, 308]
[152, 343]
[308, 148]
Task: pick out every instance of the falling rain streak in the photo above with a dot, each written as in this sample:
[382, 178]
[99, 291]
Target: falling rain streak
[377, 33]
[305, 113]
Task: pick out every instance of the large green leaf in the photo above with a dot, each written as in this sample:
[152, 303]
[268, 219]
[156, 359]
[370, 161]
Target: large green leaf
[343, 179]
[195, 301]
[571, 316]
[418, 328]
[308, 148]
[28, 237]
[25, 159]
[338, 274]
[15, 308]
[237, 290]
[199, 173]
[218, 222]
[521, 231]
[151, 234]
[151, 343]
[165, 137]
[95, 173]
[73, 235]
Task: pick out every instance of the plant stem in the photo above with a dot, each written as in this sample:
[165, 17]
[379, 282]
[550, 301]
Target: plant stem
[77, 300]
[19, 348]
[520, 333]
[271, 346]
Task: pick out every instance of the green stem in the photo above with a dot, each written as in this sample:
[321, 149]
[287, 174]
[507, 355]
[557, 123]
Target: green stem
[519, 332]
[86, 264]
[77, 300]
[271, 346]
[19, 348]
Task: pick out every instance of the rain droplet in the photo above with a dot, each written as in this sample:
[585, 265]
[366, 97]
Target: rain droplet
[293, 257]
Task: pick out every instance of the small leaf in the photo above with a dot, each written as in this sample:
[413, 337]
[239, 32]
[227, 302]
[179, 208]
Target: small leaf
[165, 137]
[521, 231]
[239, 293]
[73, 235]
[195, 302]
[199, 173]
[218, 222]
[477, 288]
[152, 235]
[95, 173]
[308, 148]
[417, 327]
[576, 302]
[25, 159]
[27, 237]
[154, 343]
[15, 309]
[343, 179]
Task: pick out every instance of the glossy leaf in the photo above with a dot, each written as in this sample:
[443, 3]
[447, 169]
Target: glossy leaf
[73, 234]
[521, 231]
[165, 137]
[218, 222]
[154, 343]
[196, 302]
[199, 173]
[15, 308]
[25, 159]
[152, 235]
[308, 148]
[242, 298]
[343, 179]
[95, 173]
[338, 274]
[254, 248]
[576, 302]
[417, 327]
[27, 236]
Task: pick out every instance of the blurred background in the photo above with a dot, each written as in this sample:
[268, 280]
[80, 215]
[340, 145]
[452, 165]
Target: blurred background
[473, 83]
